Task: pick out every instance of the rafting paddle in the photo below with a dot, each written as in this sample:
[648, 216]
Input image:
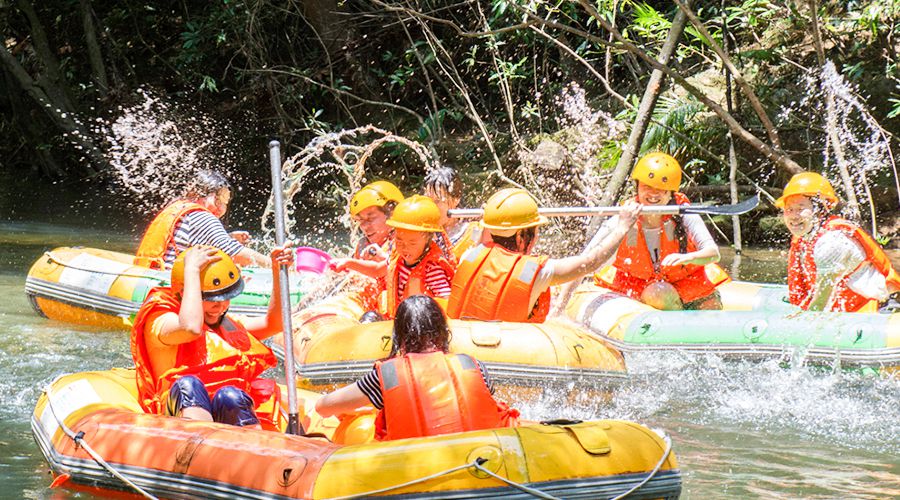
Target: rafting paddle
[735, 209]
[278, 201]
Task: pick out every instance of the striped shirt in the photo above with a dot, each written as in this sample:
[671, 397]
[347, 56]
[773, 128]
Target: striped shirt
[370, 385]
[436, 280]
[201, 228]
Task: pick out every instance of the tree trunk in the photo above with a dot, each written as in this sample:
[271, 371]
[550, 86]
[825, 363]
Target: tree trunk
[62, 119]
[50, 79]
[98, 69]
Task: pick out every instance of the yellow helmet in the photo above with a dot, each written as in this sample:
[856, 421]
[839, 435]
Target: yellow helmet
[376, 194]
[808, 184]
[219, 281]
[658, 170]
[509, 210]
[417, 213]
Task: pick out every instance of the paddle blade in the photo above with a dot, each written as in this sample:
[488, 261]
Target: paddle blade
[736, 209]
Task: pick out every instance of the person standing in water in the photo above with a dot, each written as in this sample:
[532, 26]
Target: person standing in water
[194, 219]
[665, 261]
[421, 389]
[833, 265]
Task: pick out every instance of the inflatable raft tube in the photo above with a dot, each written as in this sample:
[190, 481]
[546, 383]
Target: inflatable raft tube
[757, 323]
[178, 458]
[90, 286]
[332, 348]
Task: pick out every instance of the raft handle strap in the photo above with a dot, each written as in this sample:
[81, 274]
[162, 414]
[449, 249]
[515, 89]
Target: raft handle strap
[80, 442]
[53, 259]
[652, 473]
[476, 464]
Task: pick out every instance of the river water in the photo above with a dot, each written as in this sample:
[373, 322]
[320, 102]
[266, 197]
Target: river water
[740, 429]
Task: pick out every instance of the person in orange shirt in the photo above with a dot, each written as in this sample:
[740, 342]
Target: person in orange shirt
[416, 265]
[421, 389]
[666, 261]
[194, 219]
[833, 265]
[194, 360]
[502, 281]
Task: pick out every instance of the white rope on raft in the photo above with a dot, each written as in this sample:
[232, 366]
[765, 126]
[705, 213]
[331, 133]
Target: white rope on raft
[79, 440]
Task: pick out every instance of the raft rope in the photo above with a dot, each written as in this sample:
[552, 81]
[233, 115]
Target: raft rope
[53, 259]
[650, 476]
[79, 441]
[476, 464]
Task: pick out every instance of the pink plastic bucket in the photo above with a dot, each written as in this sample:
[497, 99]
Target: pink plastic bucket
[312, 260]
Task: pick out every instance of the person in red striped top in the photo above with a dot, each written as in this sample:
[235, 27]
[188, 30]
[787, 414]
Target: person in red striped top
[417, 265]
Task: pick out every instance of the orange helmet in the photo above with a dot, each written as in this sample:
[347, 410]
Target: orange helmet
[808, 184]
[376, 194]
[510, 210]
[658, 170]
[219, 281]
[417, 213]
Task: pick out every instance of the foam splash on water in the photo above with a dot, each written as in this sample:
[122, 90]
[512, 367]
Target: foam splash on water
[155, 148]
[845, 408]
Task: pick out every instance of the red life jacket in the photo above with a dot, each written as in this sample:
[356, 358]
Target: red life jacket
[416, 284]
[427, 394]
[226, 355]
[161, 233]
[634, 268]
[494, 284]
[802, 268]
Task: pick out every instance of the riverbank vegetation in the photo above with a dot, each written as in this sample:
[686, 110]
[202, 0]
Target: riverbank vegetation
[510, 90]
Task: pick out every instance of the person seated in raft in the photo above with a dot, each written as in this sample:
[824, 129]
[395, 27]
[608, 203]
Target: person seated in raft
[666, 261]
[194, 360]
[192, 220]
[501, 280]
[420, 389]
[371, 207]
[416, 264]
[833, 265]
[444, 186]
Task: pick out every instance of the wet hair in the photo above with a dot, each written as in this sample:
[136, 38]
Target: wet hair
[444, 179]
[419, 326]
[205, 183]
[509, 242]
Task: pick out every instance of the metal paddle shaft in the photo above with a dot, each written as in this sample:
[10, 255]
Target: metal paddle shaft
[285, 289]
[736, 209]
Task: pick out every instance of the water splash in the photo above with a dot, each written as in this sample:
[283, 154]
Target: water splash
[853, 140]
[335, 164]
[155, 147]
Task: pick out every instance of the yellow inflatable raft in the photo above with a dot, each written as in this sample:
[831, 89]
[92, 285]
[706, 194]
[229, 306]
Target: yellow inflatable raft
[90, 286]
[94, 436]
[332, 348]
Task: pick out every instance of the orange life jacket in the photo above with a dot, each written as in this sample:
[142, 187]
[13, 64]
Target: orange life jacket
[467, 240]
[427, 394]
[158, 237]
[802, 269]
[494, 284]
[226, 355]
[416, 284]
[634, 268]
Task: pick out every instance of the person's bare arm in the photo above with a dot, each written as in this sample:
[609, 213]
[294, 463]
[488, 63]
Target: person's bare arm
[345, 400]
[265, 326]
[572, 268]
[370, 268]
[248, 257]
[188, 325]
